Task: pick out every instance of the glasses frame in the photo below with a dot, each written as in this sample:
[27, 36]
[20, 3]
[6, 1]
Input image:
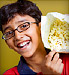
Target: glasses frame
[18, 30]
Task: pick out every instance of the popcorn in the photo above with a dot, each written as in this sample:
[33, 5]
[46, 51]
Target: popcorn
[55, 31]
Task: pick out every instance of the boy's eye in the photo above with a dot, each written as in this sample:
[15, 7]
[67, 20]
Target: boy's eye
[8, 33]
[23, 26]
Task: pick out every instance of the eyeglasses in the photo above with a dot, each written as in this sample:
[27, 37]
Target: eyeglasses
[20, 29]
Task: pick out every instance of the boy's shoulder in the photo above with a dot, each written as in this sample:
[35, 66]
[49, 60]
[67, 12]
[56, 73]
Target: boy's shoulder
[12, 71]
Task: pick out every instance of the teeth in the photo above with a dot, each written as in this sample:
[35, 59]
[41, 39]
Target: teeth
[23, 44]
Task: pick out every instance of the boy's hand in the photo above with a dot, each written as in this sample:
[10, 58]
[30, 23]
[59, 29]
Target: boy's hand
[52, 65]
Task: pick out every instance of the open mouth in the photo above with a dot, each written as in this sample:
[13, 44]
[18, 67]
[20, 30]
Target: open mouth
[23, 44]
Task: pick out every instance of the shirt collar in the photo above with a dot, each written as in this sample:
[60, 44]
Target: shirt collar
[23, 67]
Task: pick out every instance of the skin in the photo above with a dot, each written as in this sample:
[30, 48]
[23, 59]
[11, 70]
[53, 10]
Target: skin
[52, 67]
[34, 54]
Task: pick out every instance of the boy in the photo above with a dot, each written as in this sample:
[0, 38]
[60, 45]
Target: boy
[20, 25]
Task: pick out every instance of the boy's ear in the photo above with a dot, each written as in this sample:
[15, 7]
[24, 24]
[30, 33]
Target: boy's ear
[40, 25]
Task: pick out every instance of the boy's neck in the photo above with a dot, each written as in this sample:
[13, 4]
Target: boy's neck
[35, 61]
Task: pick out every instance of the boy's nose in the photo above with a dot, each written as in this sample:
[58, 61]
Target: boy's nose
[18, 35]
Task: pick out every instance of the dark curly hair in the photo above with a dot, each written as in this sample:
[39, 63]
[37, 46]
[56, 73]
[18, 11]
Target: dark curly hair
[21, 7]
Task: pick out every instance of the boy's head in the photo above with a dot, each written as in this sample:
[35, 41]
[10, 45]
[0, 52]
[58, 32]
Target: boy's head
[21, 7]
[19, 22]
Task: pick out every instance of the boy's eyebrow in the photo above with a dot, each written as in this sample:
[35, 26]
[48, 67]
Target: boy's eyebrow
[6, 28]
[22, 21]
[16, 22]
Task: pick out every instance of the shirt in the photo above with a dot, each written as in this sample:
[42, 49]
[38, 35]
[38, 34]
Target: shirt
[23, 69]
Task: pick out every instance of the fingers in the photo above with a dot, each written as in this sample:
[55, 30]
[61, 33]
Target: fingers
[52, 64]
[55, 59]
[59, 62]
[50, 56]
[61, 68]
[60, 65]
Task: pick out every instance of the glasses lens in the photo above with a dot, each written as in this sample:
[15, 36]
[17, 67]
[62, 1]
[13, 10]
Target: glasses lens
[24, 26]
[8, 35]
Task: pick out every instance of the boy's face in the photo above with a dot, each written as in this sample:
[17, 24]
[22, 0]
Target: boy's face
[28, 42]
